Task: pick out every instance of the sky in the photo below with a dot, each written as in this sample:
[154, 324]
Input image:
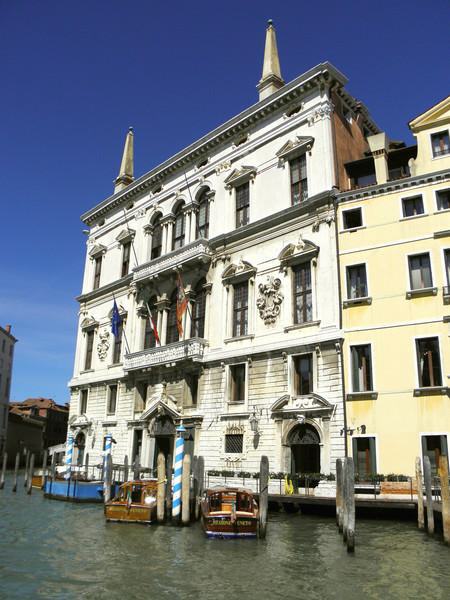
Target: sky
[76, 75]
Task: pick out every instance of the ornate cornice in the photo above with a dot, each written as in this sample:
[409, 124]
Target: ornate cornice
[107, 289]
[323, 74]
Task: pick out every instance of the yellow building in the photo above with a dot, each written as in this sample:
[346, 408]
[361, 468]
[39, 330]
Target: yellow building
[394, 254]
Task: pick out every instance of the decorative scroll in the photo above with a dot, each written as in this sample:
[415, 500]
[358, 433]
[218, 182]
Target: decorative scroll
[269, 301]
[103, 345]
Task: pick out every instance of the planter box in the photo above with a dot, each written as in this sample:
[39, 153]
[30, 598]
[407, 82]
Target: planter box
[398, 487]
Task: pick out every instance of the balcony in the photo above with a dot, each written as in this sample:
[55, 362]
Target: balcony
[189, 350]
[195, 252]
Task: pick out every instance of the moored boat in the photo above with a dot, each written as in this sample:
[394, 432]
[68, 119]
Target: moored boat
[134, 503]
[229, 513]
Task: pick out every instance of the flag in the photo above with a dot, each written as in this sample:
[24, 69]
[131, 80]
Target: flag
[153, 325]
[182, 303]
[116, 320]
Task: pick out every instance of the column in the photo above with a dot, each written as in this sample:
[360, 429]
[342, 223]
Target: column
[148, 230]
[187, 225]
[164, 238]
[194, 216]
[208, 307]
[187, 324]
[163, 307]
[169, 236]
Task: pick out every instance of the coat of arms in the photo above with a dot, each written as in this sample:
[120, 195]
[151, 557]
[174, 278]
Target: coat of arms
[270, 299]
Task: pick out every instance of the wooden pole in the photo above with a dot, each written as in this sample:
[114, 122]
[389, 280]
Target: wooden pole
[263, 495]
[2, 476]
[86, 466]
[169, 486]
[200, 484]
[339, 493]
[350, 503]
[30, 475]
[344, 503]
[52, 472]
[16, 472]
[161, 492]
[420, 511]
[194, 486]
[445, 497]
[186, 490]
[125, 468]
[107, 482]
[44, 468]
[27, 465]
[429, 494]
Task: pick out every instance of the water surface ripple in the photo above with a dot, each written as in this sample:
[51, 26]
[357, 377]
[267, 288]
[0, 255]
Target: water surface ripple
[57, 550]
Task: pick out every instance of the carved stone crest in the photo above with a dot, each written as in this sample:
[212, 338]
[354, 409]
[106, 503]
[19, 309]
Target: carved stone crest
[270, 299]
[103, 345]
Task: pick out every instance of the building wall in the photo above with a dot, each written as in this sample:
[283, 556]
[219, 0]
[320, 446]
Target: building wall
[401, 413]
[7, 342]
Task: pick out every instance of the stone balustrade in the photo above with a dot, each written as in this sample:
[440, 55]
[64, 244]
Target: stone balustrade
[188, 350]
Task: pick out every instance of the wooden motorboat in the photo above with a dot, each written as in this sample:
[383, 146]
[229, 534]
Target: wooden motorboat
[134, 503]
[229, 513]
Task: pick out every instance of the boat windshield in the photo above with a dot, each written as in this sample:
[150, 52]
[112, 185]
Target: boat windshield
[244, 502]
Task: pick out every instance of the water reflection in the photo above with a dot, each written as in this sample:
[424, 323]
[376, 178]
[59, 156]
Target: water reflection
[51, 549]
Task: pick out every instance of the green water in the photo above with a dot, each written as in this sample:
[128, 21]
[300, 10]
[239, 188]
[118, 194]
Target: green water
[51, 549]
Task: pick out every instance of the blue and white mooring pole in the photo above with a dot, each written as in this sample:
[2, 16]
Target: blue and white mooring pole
[69, 455]
[107, 450]
[178, 471]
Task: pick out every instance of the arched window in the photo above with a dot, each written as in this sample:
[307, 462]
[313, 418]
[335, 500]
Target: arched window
[203, 215]
[199, 309]
[156, 238]
[178, 228]
[149, 335]
[172, 330]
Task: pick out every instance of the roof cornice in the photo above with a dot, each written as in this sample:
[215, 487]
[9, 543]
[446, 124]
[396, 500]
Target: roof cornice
[393, 186]
[324, 73]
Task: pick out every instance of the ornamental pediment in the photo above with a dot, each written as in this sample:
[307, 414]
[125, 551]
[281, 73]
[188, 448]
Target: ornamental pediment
[122, 311]
[89, 323]
[298, 251]
[160, 405]
[240, 176]
[97, 251]
[293, 147]
[439, 113]
[125, 236]
[241, 270]
[298, 405]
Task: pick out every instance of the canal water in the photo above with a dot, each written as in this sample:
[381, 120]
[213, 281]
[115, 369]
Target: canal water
[58, 550]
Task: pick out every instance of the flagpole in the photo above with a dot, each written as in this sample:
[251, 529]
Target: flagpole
[157, 338]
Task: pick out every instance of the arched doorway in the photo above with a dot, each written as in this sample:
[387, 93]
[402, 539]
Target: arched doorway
[304, 441]
[80, 444]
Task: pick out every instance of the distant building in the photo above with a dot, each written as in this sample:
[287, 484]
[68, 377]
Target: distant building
[7, 341]
[53, 415]
[394, 254]
[25, 432]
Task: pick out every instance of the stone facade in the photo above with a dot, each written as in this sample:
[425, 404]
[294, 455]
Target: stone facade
[258, 373]
[7, 342]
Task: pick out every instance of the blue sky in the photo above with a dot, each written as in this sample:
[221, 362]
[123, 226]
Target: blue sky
[75, 75]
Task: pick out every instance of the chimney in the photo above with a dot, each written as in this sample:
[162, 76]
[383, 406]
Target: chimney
[271, 79]
[126, 174]
[8, 328]
[379, 144]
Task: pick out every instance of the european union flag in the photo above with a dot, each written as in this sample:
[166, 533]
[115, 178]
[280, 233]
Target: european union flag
[116, 320]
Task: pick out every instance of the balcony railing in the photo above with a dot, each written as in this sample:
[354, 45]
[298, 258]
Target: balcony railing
[189, 350]
[197, 251]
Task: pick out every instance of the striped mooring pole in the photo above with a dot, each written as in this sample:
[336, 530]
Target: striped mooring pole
[178, 471]
[108, 445]
[69, 454]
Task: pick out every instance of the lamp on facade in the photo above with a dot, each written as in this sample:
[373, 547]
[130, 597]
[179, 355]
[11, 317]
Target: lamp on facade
[254, 421]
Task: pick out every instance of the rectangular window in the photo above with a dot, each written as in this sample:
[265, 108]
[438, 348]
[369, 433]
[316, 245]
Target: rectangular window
[83, 402]
[203, 220]
[149, 334]
[428, 362]
[434, 446]
[126, 251]
[156, 249]
[137, 444]
[303, 374]
[89, 348]
[97, 272]
[117, 352]
[237, 373]
[112, 400]
[240, 309]
[440, 143]
[299, 181]
[356, 282]
[361, 357]
[191, 393]
[447, 268]
[364, 456]
[242, 205]
[443, 199]
[234, 443]
[302, 289]
[352, 218]
[140, 398]
[420, 271]
[412, 206]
